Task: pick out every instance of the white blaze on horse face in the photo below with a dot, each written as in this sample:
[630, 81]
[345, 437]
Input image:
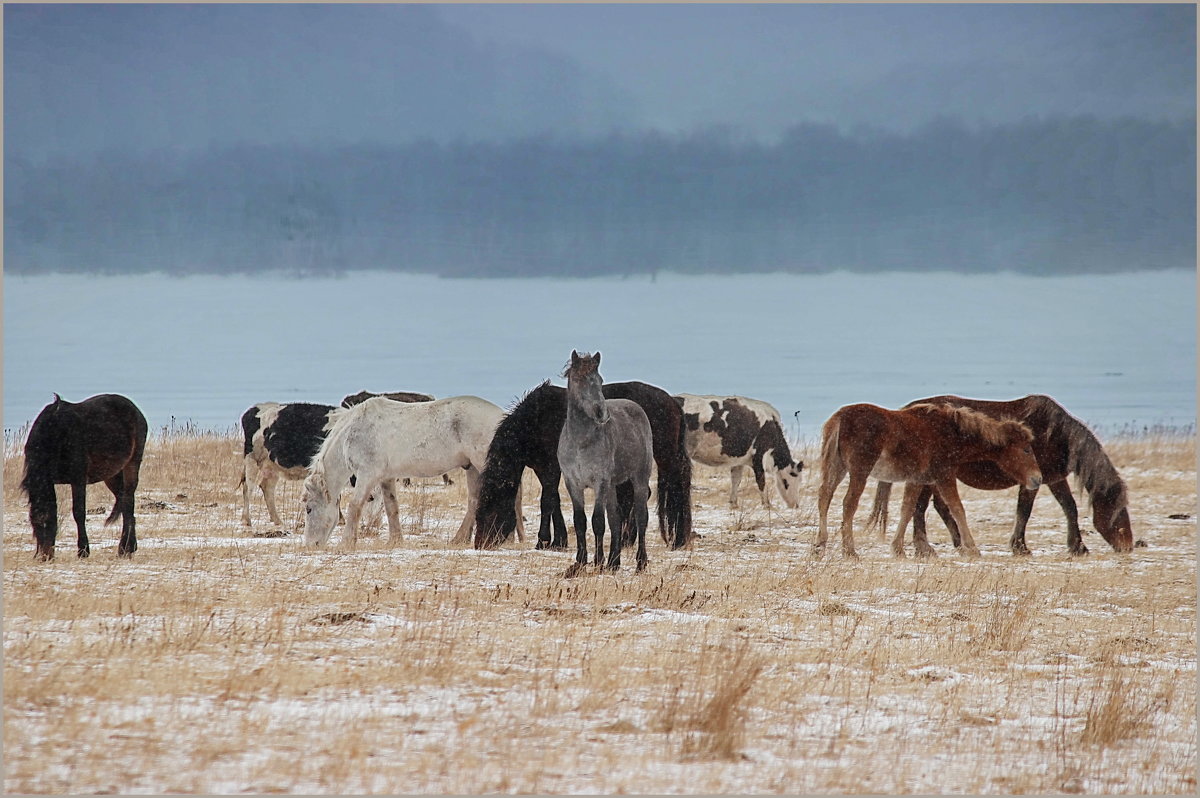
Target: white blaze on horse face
[320, 512]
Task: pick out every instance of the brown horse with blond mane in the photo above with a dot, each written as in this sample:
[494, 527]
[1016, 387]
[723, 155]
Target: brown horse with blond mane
[1063, 445]
[920, 445]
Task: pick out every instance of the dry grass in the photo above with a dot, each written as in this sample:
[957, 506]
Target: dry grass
[219, 662]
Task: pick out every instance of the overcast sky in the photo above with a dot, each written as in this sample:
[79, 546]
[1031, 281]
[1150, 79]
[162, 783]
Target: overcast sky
[81, 79]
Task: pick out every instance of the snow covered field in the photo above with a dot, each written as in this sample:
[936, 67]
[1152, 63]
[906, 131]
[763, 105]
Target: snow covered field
[220, 662]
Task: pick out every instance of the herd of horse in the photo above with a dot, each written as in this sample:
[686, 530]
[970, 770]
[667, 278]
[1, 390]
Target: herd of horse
[607, 438]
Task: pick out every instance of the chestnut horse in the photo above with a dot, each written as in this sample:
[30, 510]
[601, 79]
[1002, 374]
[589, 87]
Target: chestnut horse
[1062, 445]
[78, 443]
[919, 445]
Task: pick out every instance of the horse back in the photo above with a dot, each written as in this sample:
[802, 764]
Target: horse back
[90, 440]
[633, 439]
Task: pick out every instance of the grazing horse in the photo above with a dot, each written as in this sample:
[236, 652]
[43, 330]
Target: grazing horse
[1062, 445]
[735, 431]
[101, 438]
[380, 441]
[604, 443]
[528, 438]
[920, 445]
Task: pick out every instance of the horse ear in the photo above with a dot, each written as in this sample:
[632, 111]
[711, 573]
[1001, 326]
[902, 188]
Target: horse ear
[574, 358]
[596, 360]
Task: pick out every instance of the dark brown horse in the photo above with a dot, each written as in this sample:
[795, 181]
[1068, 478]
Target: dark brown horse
[528, 438]
[1063, 445]
[919, 445]
[101, 438]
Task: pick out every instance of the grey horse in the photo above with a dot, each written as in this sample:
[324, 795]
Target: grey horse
[604, 444]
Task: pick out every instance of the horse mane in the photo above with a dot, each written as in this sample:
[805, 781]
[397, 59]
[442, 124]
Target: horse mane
[338, 423]
[1086, 457]
[994, 432]
[40, 450]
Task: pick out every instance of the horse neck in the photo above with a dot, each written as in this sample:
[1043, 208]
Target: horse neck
[771, 437]
[330, 459]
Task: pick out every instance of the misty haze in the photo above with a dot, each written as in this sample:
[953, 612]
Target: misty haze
[488, 141]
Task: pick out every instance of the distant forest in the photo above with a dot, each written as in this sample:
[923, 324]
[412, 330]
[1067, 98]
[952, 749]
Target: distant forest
[1045, 196]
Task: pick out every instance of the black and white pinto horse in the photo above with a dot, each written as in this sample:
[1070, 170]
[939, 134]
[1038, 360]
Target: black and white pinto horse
[604, 443]
[77, 443]
[380, 441]
[735, 431]
[279, 440]
[528, 438]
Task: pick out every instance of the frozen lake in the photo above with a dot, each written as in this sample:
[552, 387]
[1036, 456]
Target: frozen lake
[1115, 350]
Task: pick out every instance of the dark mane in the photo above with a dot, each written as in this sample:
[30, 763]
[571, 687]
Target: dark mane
[1086, 457]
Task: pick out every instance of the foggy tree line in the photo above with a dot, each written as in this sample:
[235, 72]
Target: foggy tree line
[1049, 196]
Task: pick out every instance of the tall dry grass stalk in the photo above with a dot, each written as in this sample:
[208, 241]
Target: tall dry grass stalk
[219, 662]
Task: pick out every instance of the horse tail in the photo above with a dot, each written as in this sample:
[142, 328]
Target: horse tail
[675, 493]
[831, 459]
[116, 512]
[878, 516]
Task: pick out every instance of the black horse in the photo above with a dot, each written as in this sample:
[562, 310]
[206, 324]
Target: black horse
[101, 438]
[528, 437]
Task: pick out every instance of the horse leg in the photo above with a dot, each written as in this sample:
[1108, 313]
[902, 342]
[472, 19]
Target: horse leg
[944, 513]
[122, 484]
[607, 504]
[79, 511]
[1067, 502]
[245, 483]
[598, 528]
[854, 490]
[463, 535]
[358, 499]
[735, 479]
[831, 477]
[908, 503]
[949, 493]
[760, 479]
[392, 507]
[579, 519]
[268, 483]
[1016, 541]
[642, 520]
[919, 528]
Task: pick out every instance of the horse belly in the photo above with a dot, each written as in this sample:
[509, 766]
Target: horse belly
[707, 451]
[887, 469]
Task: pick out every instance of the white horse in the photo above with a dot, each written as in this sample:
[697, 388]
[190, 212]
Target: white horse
[379, 441]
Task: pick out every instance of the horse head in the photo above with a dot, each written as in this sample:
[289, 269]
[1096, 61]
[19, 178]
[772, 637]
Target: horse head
[585, 392]
[788, 481]
[320, 510]
[1016, 457]
[1110, 514]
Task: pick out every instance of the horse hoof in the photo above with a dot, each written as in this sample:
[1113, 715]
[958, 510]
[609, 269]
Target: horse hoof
[88, 552]
[576, 569]
[1021, 552]
[926, 554]
[850, 554]
[1141, 544]
[1079, 552]
[970, 553]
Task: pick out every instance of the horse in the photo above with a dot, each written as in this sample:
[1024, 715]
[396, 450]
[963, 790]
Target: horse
[102, 438]
[604, 443]
[1062, 445]
[736, 431]
[920, 445]
[379, 441]
[528, 438]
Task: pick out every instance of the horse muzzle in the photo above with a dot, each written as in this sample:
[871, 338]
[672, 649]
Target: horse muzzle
[1034, 482]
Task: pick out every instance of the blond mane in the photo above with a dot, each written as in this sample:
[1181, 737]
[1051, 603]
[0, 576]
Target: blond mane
[994, 432]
